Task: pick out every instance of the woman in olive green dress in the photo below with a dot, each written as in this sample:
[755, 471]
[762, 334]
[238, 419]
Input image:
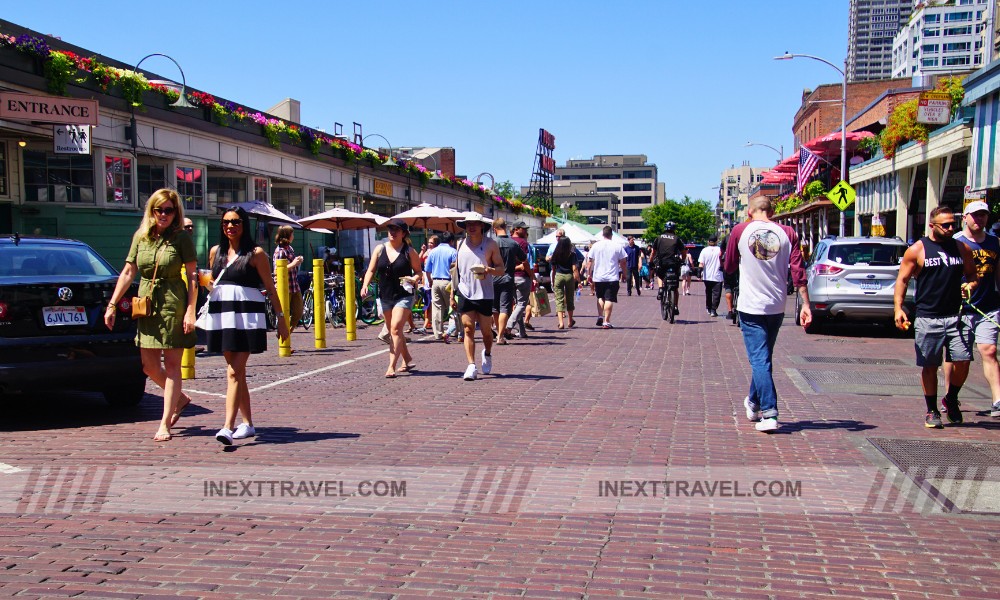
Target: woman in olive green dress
[161, 247]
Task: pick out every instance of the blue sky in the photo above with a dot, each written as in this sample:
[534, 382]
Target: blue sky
[686, 83]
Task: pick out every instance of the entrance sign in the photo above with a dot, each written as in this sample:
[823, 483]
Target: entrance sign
[934, 108]
[842, 195]
[48, 109]
[71, 139]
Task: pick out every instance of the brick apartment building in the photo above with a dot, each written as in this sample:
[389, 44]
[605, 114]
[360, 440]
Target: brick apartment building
[820, 110]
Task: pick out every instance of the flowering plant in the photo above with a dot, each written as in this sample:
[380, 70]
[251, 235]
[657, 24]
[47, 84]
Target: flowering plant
[293, 133]
[32, 45]
[59, 69]
[132, 84]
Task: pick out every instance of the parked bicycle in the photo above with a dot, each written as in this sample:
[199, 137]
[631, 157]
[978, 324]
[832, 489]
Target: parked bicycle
[335, 304]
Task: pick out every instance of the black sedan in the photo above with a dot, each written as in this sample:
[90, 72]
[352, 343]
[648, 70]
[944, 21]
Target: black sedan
[53, 293]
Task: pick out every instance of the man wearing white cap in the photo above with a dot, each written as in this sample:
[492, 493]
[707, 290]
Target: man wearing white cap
[982, 311]
[477, 263]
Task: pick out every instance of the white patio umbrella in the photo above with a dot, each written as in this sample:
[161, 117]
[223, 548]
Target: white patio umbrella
[340, 219]
[263, 211]
[428, 216]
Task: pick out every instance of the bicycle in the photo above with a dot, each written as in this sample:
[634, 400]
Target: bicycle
[671, 283]
[367, 306]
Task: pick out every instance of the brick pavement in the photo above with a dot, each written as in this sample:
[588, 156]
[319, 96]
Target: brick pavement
[97, 509]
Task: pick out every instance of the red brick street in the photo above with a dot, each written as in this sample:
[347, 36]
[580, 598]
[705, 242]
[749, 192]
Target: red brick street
[591, 464]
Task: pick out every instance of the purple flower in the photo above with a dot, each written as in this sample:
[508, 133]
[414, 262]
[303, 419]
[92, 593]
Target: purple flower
[32, 45]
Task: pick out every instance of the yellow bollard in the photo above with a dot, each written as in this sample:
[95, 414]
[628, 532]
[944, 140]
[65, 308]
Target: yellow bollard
[187, 357]
[281, 270]
[350, 305]
[319, 303]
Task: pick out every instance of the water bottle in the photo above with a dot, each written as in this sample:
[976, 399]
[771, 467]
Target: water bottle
[578, 292]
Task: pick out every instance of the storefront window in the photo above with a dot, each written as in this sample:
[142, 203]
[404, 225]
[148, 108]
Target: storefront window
[3, 169]
[260, 189]
[227, 190]
[190, 187]
[287, 200]
[50, 177]
[315, 201]
[118, 177]
[151, 178]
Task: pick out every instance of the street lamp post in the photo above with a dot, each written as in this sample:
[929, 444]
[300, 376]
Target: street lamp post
[781, 153]
[180, 102]
[843, 115]
[493, 184]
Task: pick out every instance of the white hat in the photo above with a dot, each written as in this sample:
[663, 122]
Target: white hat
[474, 217]
[976, 206]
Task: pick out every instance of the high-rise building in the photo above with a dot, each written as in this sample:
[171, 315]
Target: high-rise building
[735, 184]
[628, 176]
[871, 28]
[943, 38]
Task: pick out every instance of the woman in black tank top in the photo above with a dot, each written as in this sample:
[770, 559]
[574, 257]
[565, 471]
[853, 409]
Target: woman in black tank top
[395, 263]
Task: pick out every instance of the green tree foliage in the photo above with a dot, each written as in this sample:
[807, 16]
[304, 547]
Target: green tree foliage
[695, 219]
[573, 214]
[505, 189]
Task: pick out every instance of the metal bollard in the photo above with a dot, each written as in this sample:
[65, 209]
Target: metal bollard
[281, 271]
[351, 308]
[319, 303]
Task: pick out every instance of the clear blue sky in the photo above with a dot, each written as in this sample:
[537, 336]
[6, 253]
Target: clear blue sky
[685, 83]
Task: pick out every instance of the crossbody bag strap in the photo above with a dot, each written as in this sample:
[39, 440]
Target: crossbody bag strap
[159, 255]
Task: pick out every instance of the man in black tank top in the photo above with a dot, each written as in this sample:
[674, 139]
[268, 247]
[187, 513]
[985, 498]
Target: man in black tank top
[938, 263]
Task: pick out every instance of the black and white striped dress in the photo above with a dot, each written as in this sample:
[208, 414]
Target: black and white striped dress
[236, 321]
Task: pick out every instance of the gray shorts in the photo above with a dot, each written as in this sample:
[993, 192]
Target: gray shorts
[985, 331]
[932, 335]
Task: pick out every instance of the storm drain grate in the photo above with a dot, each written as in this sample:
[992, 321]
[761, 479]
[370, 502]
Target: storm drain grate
[875, 378]
[852, 360]
[960, 476]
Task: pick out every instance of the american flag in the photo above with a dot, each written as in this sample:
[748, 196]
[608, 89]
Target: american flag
[807, 164]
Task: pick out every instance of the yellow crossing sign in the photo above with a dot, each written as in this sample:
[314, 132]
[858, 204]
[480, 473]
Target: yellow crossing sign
[842, 195]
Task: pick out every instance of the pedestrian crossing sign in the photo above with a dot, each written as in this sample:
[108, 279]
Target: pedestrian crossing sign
[842, 195]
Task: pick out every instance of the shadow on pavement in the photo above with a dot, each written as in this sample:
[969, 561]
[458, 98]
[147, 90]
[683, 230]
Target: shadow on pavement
[73, 409]
[269, 436]
[849, 425]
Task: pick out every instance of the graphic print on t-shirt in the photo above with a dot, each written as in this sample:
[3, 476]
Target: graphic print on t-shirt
[764, 244]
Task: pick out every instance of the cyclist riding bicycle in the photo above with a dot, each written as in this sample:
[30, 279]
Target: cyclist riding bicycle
[668, 254]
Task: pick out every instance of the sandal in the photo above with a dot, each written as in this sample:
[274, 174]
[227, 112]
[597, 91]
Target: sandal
[408, 368]
[390, 375]
[179, 410]
[162, 436]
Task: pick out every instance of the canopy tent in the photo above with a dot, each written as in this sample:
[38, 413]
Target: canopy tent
[576, 234]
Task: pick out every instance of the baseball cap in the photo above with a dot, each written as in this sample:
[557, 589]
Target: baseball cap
[976, 206]
[519, 225]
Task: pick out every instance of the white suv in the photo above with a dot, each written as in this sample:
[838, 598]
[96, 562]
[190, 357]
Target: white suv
[854, 278]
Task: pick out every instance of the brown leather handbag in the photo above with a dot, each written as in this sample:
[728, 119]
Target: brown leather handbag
[142, 306]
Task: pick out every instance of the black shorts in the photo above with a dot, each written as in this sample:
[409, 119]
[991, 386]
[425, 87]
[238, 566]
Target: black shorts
[606, 290]
[730, 281]
[483, 307]
[669, 270]
[503, 297]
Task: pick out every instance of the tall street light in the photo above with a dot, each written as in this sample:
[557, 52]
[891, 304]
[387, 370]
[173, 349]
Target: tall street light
[180, 102]
[781, 153]
[843, 115]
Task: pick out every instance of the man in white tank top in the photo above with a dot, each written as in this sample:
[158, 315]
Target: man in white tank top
[478, 263]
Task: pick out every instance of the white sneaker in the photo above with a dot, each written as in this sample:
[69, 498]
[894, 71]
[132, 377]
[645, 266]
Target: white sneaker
[487, 363]
[753, 412]
[769, 424]
[384, 337]
[470, 373]
[244, 430]
[225, 436]
[995, 409]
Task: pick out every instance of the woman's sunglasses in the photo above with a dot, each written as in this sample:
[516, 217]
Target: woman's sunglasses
[166, 212]
[233, 222]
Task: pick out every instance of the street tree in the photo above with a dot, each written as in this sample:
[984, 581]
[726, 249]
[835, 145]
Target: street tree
[695, 219]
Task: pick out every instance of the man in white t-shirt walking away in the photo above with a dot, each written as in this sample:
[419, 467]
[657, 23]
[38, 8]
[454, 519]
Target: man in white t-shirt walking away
[605, 270]
[763, 251]
[710, 261]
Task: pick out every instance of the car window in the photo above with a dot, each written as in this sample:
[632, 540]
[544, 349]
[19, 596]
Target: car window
[882, 255]
[817, 254]
[47, 260]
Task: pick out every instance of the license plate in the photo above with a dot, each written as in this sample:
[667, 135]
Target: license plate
[871, 286]
[58, 316]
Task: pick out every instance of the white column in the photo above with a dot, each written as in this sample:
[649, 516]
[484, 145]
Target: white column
[903, 192]
[934, 167]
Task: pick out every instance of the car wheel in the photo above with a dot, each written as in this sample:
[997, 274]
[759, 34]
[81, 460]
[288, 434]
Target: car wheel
[126, 394]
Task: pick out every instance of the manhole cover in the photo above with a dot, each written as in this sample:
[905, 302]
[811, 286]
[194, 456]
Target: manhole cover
[851, 360]
[960, 476]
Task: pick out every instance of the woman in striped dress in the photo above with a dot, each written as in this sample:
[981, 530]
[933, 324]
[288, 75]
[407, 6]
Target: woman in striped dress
[236, 323]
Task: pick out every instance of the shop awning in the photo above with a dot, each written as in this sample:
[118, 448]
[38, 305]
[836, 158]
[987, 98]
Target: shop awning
[983, 154]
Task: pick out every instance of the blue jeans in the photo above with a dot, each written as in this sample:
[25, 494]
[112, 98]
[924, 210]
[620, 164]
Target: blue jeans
[759, 334]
